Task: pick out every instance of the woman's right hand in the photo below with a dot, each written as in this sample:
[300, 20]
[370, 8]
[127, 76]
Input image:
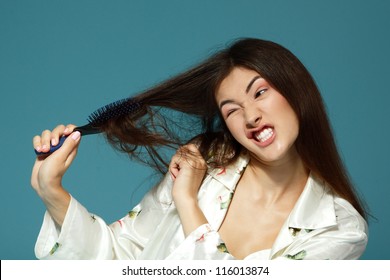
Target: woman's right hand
[48, 170]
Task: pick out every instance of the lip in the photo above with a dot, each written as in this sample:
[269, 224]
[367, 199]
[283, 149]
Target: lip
[250, 135]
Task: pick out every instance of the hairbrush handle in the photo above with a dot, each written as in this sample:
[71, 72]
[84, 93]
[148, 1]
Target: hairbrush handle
[100, 117]
[52, 148]
[84, 130]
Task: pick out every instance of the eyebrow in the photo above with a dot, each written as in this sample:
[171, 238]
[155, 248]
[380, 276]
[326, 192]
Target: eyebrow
[248, 88]
[225, 102]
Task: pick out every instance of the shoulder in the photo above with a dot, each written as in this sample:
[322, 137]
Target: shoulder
[333, 229]
[348, 218]
[336, 208]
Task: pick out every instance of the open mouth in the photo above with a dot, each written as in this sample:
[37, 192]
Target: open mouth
[263, 135]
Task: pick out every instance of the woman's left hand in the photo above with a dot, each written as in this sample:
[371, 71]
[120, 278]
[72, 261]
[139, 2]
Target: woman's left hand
[187, 169]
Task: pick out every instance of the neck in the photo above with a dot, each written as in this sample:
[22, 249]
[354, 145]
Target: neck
[274, 181]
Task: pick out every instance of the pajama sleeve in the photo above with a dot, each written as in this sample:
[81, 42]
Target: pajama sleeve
[87, 236]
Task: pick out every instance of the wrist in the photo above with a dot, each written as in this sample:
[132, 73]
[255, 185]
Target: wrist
[57, 203]
[54, 195]
[191, 216]
[185, 200]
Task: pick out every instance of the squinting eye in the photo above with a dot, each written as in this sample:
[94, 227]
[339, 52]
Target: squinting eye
[230, 112]
[260, 92]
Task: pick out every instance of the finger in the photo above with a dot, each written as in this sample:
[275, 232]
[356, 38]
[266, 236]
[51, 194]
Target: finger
[56, 134]
[60, 131]
[190, 151]
[174, 165]
[194, 149]
[45, 140]
[174, 173]
[69, 129]
[37, 143]
[68, 150]
[193, 157]
[70, 143]
[72, 155]
[178, 156]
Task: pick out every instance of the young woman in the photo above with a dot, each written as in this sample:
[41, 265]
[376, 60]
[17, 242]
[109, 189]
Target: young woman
[261, 178]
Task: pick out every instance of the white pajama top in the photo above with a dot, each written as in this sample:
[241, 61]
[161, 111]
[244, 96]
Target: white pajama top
[320, 226]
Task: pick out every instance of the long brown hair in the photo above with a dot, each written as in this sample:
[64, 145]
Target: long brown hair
[184, 109]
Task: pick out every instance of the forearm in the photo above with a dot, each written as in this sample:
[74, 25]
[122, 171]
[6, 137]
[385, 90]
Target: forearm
[57, 203]
[191, 216]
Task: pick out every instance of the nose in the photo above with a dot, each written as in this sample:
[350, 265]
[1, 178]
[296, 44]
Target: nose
[252, 117]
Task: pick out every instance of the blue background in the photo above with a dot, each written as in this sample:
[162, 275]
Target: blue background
[61, 60]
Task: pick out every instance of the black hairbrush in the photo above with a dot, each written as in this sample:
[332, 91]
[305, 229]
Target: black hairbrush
[127, 106]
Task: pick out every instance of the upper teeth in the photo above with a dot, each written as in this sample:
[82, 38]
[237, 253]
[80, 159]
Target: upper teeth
[265, 134]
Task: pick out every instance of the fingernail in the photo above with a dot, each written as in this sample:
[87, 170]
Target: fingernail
[44, 147]
[53, 142]
[76, 135]
[38, 149]
[66, 130]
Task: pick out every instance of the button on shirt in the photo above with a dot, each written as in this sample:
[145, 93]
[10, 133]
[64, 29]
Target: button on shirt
[320, 226]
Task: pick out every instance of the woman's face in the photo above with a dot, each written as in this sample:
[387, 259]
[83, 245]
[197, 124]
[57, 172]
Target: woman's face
[258, 116]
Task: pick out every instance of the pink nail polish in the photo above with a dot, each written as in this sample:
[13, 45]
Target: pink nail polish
[76, 135]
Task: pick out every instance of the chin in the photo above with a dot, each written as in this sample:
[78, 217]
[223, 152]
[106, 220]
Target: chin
[271, 156]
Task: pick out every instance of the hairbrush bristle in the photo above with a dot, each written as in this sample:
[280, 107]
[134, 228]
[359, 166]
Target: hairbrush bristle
[98, 118]
[114, 110]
